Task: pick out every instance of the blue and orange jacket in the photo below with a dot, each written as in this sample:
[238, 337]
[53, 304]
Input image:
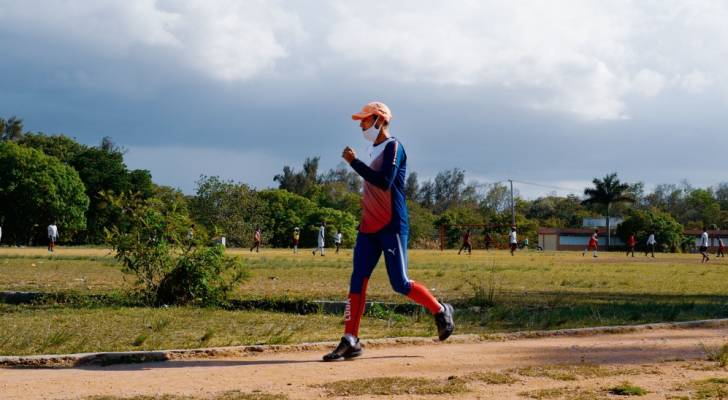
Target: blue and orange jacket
[384, 205]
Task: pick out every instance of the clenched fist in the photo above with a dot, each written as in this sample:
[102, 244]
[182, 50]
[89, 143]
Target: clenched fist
[349, 154]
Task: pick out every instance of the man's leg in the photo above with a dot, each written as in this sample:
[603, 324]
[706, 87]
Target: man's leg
[395, 256]
[366, 256]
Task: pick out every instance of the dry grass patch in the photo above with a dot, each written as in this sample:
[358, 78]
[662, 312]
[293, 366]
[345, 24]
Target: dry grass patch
[392, 386]
[569, 372]
[563, 393]
[491, 378]
[706, 389]
[233, 395]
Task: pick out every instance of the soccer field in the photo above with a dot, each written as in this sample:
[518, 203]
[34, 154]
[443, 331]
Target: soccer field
[492, 292]
[278, 273]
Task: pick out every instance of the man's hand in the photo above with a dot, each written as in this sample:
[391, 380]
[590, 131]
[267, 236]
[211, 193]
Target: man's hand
[349, 154]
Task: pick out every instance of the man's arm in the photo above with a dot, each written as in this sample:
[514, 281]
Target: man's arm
[390, 164]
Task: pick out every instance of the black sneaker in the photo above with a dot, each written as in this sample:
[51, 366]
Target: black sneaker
[444, 321]
[345, 350]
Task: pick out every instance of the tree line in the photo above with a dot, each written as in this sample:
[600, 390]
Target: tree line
[53, 178]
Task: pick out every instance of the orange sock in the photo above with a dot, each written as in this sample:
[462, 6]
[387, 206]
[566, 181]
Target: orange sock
[354, 310]
[422, 296]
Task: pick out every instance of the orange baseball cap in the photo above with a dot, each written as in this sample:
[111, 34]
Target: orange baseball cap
[374, 108]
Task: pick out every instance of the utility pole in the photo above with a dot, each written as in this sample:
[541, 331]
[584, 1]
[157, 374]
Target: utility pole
[513, 206]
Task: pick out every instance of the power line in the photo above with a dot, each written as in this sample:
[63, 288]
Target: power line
[547, 186]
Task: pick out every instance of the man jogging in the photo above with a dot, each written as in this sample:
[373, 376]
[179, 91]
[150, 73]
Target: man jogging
[487, 239]
[651, 242]
[704, 243]
[467, 244]
[383, 230]
[320, 239]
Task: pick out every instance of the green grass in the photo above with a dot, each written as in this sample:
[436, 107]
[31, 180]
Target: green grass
[392, 386]
[54, 330]
[278, 273]
[493, 291]
[627, 389]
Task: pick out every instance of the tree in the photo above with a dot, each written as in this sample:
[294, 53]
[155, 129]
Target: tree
[37, 190]
[447, 190]
[668, 232]
[101, 169]
[233, 209]
[606, 192]
[11, 130]
[299, 182]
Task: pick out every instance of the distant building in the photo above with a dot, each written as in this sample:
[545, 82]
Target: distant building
[575, 239]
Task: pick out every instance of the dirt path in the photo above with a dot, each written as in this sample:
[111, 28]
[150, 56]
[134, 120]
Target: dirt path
[662, 359]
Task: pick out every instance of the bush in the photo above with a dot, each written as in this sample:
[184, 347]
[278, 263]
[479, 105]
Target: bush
[668, 232]
[151, 243]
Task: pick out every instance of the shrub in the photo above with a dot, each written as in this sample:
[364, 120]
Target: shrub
[150, 241]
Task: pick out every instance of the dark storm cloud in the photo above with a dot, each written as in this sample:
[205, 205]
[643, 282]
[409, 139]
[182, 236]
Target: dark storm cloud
[240, 89]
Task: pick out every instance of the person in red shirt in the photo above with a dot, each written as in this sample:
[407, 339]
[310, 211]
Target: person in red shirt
[631, 243]
[593, 244]
[467, 244]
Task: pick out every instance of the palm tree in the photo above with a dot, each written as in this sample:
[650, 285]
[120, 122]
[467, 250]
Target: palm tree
[12, 129]
[606, 192]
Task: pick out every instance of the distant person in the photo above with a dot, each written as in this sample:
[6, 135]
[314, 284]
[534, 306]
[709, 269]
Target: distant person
[631, 244]
[320, 240]
[720, 248]
[593, 244]
[488, 240]
[256, 241]
[467, 243]
[296, 237]
[704, 244]
[337, 240]
[52, 236]
[191, 233]
[651, 242]
[513, 240]
[222, 241]
[525, 243]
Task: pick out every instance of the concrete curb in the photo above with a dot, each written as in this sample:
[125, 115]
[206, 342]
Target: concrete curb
[103, 359]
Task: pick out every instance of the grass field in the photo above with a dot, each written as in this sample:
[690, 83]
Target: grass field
[494, 291]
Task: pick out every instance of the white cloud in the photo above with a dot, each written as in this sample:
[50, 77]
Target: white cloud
[578, 57]
[585, 58]
[648, 83]
[224, 39]
[694, 82]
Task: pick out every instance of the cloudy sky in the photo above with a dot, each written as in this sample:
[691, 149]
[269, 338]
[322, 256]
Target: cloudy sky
[551, 92]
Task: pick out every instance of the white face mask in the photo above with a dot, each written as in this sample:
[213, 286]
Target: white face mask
[372, 133]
